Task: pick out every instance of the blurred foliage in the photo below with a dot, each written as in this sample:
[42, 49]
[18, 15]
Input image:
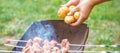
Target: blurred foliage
[1, 42]
[17, 15]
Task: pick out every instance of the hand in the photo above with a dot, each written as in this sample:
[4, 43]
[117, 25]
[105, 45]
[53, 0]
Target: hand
[72, 2]
[84, 6]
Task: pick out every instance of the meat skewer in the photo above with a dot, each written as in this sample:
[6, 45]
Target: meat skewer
[13, 46]
[47, 47]
[65, 46]
[53, 43]
[27, 48]
[6, 51]
[76, 51]
[54, 47]
[55, 50]
[77, 45]
[33, 46]
[71, 51]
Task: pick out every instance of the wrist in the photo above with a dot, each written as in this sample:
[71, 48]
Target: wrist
[96, 2]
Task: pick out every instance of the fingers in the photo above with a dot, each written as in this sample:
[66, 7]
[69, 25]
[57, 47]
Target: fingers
[73, 11]
[79, 21]
[68, 4]
[72, 2]
[85, 8]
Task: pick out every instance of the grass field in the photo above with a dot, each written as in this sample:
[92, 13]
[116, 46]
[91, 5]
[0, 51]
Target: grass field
[17, 15]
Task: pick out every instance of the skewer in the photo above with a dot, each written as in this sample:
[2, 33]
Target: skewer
[6, 51]
[13, 46]
[73, 44]
[71, 51]
[17, 40]
[76, 51]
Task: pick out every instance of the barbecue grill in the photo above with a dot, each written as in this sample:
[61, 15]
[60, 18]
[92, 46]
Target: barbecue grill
[55, 30]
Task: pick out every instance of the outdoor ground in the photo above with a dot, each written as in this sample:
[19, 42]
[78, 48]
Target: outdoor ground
[17, 15]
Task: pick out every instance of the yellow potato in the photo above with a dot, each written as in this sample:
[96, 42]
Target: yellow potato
[71, 7]
[76, 15]
[69, 19]
[62, 12]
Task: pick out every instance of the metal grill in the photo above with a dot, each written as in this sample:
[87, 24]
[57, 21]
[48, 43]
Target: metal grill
[57, 30]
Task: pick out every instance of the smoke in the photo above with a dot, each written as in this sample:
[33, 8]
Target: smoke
[49, 32]
[41, 29]
[44, 30]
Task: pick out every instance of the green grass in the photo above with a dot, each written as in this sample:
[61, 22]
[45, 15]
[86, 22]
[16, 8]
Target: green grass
[17, 15]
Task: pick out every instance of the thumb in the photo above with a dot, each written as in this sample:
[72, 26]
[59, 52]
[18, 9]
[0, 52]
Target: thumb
[73, 11]
[79, 21]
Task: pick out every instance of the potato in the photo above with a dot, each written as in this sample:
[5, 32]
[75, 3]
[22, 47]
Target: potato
[69, 19]
[71, 7]
[62, 12]
[76, 15]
